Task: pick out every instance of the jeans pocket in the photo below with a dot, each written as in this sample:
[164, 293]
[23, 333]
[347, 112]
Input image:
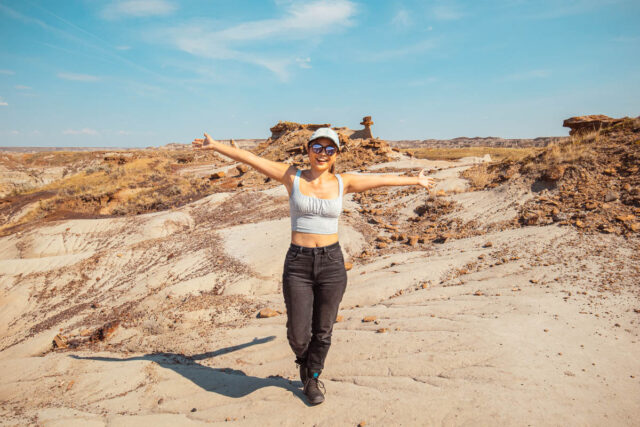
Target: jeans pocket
[336, 255]
[291, 255]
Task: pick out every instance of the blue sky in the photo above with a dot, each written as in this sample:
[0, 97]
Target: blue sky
[149, 72]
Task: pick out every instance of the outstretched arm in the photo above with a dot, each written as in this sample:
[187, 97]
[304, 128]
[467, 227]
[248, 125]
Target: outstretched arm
[355, 183]
[275, 170]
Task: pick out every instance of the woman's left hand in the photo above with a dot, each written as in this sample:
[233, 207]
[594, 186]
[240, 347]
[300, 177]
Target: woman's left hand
[426, 181]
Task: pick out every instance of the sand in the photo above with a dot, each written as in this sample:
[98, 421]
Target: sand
[537, 328]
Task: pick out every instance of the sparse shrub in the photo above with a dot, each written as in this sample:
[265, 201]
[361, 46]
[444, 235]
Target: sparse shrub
[173, 190]
[119, 210]
[156, 177]
[154, 326]
[478, 176]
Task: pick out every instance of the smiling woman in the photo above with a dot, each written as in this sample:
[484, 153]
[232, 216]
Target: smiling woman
[314, 278]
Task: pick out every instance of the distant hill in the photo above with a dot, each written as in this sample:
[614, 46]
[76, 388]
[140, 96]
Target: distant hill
[39, 149]
[489, 141]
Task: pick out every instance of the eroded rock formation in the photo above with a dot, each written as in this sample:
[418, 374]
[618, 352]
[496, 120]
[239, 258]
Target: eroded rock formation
[283, 127]
[366, 132]
[585, 124]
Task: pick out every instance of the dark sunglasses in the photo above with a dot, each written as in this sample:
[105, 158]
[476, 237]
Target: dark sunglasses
[329, 149]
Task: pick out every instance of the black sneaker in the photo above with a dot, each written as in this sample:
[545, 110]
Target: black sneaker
[312, 389]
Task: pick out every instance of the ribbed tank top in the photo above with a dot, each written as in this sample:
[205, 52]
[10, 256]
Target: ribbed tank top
[311, 214]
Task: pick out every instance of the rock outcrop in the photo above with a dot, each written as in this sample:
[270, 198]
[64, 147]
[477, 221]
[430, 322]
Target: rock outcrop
[590, 182]
[586, 124]
[289, 140]
[284, 127]
[366, 132]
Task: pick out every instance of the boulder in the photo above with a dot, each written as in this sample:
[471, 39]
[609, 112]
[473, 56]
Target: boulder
[267, 312]
[217, 175]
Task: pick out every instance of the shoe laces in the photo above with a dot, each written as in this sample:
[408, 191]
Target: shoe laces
[319, 384]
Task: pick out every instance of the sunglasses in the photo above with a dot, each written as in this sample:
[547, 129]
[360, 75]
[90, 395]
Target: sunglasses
[329, 149]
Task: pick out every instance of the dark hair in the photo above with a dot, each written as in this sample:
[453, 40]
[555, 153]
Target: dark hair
[333, 166]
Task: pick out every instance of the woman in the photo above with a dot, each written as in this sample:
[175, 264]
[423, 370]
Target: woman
[314, 277]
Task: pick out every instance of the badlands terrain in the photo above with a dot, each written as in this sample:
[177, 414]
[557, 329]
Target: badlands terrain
[143, 287]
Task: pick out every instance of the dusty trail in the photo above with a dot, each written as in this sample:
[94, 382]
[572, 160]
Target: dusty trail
[540, 327]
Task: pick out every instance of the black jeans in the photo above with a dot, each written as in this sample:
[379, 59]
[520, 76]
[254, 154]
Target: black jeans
[313, 283]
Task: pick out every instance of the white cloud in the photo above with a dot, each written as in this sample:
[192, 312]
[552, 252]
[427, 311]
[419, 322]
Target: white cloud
[7, 72]
[3, 103]
[301, 21]
[123, 132]
[78, 77]
[22, 87]
[15, 132]
[528, 75]
[389, 54]
[138, 8]
[401, 18]
[304, 62]
[85, 131]
[123, 47]
[446, 12]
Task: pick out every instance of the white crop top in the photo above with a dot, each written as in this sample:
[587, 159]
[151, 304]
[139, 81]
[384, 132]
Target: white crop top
[312, 214]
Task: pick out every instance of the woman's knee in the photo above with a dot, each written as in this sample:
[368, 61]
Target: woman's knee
[299, 343]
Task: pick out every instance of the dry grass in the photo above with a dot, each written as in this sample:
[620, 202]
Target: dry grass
[496, 153]
[142, 185]
[577, 148]
[478, 176]
[58, 158]
[147, 181]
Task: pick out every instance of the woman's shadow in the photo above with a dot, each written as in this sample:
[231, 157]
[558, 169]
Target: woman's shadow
[225, 381]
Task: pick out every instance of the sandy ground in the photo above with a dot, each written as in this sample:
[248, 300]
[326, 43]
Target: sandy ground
[539, 327]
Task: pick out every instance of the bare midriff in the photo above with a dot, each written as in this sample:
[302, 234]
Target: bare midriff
[311, 240]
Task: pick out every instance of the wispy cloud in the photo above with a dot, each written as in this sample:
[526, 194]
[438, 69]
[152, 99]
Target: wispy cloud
[389, 54]
[123, 47]
[528, 75]
[401, 19]
[138, 8]
[98, 45]
[23, 87]
[446, 12]
[301, 21]
[84, 131]
[3, 103]
[78, 77]
[304, 62]
[7, 72]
